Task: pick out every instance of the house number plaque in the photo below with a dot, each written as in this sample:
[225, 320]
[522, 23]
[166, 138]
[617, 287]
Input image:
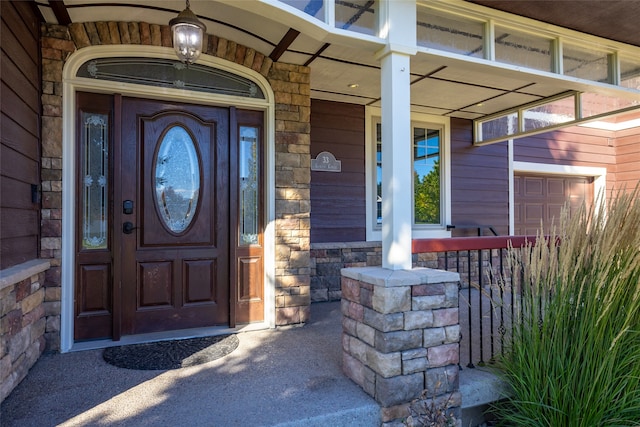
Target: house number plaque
[326, 162]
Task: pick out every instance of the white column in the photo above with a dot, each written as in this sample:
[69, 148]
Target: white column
[399, 28]
[396, 162]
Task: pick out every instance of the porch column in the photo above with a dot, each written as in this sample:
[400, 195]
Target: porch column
[396, 161]
[396, 134]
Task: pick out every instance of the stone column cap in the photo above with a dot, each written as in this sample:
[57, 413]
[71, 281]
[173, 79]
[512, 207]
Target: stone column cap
[379, 276]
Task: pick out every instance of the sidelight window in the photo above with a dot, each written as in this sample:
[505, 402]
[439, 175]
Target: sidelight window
[95, 180]
[249, 186]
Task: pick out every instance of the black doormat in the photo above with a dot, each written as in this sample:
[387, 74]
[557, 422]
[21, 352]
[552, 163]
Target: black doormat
[176, 354]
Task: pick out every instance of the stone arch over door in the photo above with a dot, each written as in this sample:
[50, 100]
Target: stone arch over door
[288, 163]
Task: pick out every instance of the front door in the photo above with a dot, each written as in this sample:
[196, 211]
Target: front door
[174, 200]
[170, 216]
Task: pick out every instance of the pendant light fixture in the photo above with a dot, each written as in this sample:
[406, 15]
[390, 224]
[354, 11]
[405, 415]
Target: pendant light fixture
[188, 33]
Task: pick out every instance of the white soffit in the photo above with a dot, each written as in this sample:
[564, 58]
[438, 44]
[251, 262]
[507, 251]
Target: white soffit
[428, 110]
[349, 54]
[332, 76]
[480, 78]
[500, 103]
[451, 95]
[316, 94]
[306, 44]
[465, 115]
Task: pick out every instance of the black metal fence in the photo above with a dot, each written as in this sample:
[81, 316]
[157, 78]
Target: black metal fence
[487, 300]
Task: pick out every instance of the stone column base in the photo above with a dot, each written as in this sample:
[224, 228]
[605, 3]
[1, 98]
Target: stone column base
[401, 338]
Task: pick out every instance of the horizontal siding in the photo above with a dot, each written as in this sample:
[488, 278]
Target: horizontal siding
[479, 182]
[20, 132]
[628, 156]
[572, 146]
[338, 204]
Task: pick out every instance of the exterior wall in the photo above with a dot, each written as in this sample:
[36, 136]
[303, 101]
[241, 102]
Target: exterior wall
[575, 146]
[479, 181]
[628, 158]
[22, 322]
[338, 199]
[290, 84]
[20, 133]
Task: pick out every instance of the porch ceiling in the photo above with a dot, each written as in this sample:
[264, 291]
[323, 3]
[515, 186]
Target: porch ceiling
[440, 85]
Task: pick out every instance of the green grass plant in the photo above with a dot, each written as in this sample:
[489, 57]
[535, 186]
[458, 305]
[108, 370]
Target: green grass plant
[573, 359]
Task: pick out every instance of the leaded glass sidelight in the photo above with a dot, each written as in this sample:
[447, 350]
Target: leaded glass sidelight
[249, 185]
[95, 180]
[177, 179]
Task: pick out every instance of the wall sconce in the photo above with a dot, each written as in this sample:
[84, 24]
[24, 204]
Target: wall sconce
[188, 33]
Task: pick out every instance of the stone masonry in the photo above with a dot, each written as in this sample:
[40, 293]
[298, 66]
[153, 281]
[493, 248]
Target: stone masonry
[22, 322]
[291, 87]
[401, 337]
[327, 259]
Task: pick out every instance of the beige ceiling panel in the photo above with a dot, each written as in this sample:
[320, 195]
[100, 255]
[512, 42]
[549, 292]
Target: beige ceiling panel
[465, 115]
[424, 64]
[358, 56]
[294, 58]
[315, 94]
[304, 43]
[333, 76]
[270, 30]
[449, 95]
[544, 89]
[429, 110]
[504, 102]
[480, 78]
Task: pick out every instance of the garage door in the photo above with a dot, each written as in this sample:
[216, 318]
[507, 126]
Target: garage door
[540, 198]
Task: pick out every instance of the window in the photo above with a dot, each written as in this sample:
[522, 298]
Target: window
[430, 176]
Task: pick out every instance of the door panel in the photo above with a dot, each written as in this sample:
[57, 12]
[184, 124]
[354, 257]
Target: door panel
[174, 266]
[539, 199]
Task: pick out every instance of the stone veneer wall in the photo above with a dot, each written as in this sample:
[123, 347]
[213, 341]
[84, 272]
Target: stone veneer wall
[291, 87]
[22, 321]
[401, 337]
[327, 259]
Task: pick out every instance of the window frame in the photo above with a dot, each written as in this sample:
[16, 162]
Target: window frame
[420, 120]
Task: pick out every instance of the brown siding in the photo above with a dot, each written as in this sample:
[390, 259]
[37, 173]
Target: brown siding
[628, 156]
[19, 132]
[575, 146]
[338, 199]
[479, 182]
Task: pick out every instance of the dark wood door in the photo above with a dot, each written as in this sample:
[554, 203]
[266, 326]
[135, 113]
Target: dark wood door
[172, 216]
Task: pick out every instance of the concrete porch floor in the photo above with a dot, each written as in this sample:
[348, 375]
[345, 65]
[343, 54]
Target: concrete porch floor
[285, 377]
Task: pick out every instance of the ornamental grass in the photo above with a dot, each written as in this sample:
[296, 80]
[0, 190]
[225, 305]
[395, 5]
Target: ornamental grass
[573, 359]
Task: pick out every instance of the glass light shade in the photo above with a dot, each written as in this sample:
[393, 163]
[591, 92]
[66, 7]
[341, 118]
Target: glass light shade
[188, 33]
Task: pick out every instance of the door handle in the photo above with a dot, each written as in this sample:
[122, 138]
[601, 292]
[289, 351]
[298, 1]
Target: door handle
[127, 228]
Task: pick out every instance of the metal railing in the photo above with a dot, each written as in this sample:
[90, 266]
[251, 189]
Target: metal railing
[487, 301]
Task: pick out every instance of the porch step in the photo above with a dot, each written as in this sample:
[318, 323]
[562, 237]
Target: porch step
[363, 416]
[479, 387]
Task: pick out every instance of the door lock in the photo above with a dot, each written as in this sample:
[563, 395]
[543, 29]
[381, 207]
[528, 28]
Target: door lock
[127, 207]
[127, 228]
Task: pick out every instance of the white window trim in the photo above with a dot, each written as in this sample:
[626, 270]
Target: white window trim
[598, 174]
[374, 232]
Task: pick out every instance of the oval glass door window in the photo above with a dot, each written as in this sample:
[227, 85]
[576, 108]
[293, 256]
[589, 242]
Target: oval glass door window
[177, 179]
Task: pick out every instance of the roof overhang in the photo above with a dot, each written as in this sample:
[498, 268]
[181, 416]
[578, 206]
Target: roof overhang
[344, 67]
